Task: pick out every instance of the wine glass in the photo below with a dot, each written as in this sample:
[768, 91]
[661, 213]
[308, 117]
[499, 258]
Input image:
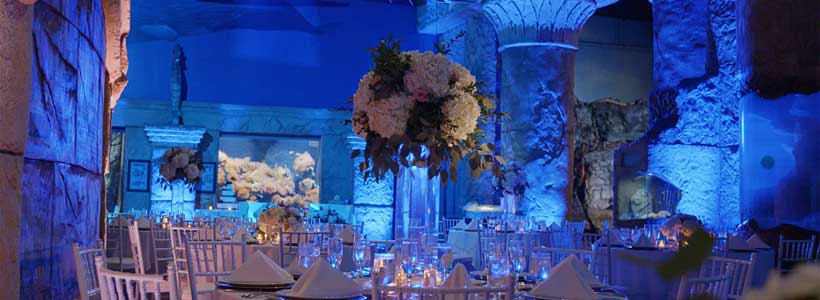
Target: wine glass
[360, 255]
[517, 257]
[409, 256]
[499, 269]
[335, 249]
[306, 254]
[540, 264]
[626, 236]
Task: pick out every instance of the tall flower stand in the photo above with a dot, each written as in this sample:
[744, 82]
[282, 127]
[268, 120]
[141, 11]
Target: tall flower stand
[417, 203]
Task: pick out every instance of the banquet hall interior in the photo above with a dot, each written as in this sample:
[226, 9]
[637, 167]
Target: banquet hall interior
[410, 149]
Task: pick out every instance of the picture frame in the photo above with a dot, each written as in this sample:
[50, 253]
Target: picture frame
[207, 182]
[139, 175]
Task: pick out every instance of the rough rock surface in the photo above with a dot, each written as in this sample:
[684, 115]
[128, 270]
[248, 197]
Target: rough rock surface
[681, 43]
[378, 221]
[62, 168]
[601, 127]
[699, 152]
[15, 92]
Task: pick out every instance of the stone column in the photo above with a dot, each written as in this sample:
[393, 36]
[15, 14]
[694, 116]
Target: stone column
[372, 201]
[15, 92]
[694, 128]
[537, 40]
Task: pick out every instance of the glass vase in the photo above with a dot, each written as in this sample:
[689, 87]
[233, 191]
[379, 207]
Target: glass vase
[417, 203]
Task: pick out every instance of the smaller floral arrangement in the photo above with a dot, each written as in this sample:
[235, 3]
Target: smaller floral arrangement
[681, 227]
[180, 164]
[286, 217]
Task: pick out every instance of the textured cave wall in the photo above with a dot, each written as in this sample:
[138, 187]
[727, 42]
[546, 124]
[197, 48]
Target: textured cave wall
[601, 127]
[696, 147]
[15, 90]
[62, 161]
[372, 200]
[473, 45]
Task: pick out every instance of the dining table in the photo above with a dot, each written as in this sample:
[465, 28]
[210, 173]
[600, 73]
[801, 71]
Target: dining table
[639, 279]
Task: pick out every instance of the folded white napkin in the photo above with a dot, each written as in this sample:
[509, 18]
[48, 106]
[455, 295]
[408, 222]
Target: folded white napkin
[583, 271]
[447, 259]
[143, 222]
[321, 280]
[756, 242]
[296, 268]
[473, 226]
[348, 235]
[736, 242]
[459, 278]
[615, 237]
[242, 235]
[564, 283]
[461, 225]
[260, 268]
[645, 241]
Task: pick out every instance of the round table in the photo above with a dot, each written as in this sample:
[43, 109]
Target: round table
[641, 281]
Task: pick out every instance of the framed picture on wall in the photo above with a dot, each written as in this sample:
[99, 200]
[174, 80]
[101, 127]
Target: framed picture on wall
[208, 181]
[139, 175]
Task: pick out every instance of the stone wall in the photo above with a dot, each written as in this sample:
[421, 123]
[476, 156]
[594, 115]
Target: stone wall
[62, 180]
[601, 127]
[696, 146]
[15, 91]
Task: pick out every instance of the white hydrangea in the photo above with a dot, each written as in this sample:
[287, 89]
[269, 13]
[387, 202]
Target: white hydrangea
[463, 78]
[388, 117]
[462, 113]
[428, 77]
[364, 93]
[360, 123]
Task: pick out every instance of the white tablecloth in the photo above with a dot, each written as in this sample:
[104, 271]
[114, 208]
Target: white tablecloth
[273, 251]
[642, 281]
[467, 243]
[237, 295]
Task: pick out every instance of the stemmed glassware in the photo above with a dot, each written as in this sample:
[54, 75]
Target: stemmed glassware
[518, 258]
[540, 264]
[499, 268]
[335, 249]
[361, 255]
[626, 236]
[409, 256]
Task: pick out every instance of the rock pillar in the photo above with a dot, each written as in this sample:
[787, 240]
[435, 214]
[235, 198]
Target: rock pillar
[694, 128]
[372, 201]
[537, 41]
[62, 167]
[15, 92]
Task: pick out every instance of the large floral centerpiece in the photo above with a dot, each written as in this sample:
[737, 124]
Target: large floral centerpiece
[284, 217]
[258, 181]
[180, 165]
[680, 227]
[420, 109]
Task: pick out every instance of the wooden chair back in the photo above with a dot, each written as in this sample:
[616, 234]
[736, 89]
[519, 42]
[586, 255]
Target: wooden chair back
[84, 266]
[209, 260]
[715, 287]
[136, 248]
[128, 286]
[793, 251]
[740, 271]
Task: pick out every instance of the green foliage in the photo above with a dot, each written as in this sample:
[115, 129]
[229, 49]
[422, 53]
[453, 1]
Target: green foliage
[389, 68]
[423, 144]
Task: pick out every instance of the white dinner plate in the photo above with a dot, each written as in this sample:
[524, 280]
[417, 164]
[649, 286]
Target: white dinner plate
[287, 295]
